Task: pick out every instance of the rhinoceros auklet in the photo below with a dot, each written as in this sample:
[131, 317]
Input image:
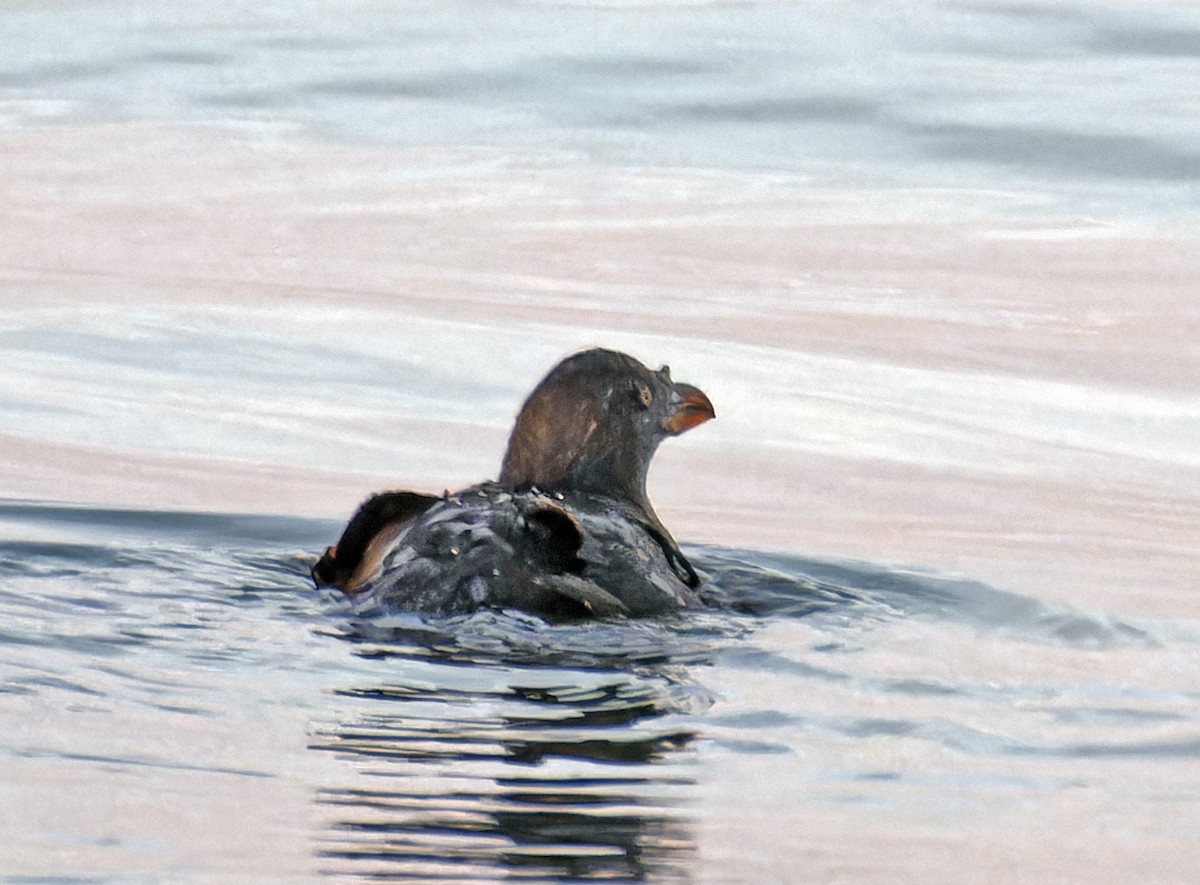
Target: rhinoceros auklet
[567, 530]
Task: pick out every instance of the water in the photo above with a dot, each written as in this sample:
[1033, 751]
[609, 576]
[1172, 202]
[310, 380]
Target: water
[180, 705]
[1096, 94]
[934, 263]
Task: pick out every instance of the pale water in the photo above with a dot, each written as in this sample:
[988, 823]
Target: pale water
[934, 263]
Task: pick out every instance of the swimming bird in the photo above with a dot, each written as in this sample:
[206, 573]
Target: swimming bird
[566, 531]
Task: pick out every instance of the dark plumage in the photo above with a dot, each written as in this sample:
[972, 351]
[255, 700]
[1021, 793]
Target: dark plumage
[566, 531]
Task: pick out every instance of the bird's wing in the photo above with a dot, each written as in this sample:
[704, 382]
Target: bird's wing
[357, 553]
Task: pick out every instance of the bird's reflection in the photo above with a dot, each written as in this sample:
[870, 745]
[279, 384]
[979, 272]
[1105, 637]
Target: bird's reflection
[538, 782]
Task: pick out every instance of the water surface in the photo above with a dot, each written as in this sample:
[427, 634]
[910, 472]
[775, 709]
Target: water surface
[180, 704]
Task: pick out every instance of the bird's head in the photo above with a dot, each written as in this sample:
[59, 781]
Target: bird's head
[595, 421]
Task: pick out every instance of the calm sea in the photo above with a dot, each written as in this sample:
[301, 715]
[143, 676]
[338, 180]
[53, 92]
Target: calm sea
[934, 262]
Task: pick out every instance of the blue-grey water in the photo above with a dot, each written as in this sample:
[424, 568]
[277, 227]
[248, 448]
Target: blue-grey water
[180, 705]
[934, 262]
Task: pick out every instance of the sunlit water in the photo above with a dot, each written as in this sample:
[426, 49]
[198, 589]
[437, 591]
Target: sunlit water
[935, 264]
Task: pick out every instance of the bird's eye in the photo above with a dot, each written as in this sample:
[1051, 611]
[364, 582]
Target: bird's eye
[642, 394]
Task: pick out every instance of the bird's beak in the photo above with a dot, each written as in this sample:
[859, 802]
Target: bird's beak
[689, 407]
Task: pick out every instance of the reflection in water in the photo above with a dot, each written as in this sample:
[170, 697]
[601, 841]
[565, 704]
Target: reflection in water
[508, 747]
[532, 750]
[531, 781]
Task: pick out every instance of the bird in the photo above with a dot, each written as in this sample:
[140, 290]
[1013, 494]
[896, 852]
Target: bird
[566, 531]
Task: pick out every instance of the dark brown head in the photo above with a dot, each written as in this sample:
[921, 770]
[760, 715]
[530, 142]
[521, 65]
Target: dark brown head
[594, 423]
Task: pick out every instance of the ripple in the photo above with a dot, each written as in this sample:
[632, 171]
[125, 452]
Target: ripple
[537, 779]
[496, 745]
[1050, 150]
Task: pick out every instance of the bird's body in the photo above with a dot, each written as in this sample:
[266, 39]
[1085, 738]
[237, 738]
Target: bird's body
[552, 554]
[567, 531]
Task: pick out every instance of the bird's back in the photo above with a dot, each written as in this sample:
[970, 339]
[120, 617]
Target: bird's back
[561, 556]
